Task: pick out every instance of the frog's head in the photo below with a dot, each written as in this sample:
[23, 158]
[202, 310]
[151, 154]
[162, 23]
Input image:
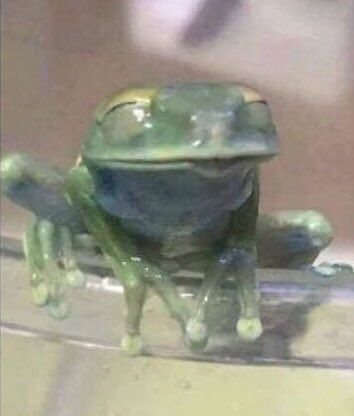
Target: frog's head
[183, 143]
[181, 123]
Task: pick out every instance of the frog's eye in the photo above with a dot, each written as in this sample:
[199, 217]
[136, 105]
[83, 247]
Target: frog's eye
[203, 97]
[187, 99]
[124, 115]
[139, 96]
[125, 122]
[249, 95]
[254, 116]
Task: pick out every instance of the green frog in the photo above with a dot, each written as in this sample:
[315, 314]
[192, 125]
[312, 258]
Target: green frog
[167, 180]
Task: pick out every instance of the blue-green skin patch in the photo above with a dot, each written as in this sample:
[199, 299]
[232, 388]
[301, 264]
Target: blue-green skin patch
[164, 184]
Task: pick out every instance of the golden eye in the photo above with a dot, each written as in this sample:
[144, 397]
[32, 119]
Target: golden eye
[78, 161]
[141, 96]
[249, 95]
[124, 123]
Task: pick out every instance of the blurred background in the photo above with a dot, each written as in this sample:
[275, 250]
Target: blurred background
[62, 58]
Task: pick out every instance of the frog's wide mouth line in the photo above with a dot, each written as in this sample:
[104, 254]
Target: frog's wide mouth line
[179, 158]
[178, 164]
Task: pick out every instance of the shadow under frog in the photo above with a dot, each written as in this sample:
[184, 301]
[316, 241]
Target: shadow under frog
[168, 179]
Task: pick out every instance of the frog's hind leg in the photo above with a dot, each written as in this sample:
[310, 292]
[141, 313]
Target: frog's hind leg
[196, 330]
[74, 276]
[135, 296]
[292, 239]
[38, 188]
[34, 258]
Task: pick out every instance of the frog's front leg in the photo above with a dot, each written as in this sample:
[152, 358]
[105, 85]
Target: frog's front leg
[132, 270]
[243, 272]
[197, 331]
[239, 264]
[237, 260]
[48, 239]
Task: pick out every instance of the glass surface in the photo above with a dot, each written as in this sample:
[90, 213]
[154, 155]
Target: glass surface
[79, 370]
[306, 318]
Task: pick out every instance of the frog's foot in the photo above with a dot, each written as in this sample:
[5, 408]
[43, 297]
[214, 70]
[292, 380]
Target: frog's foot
[48, 251]
[249, 329]
[196, 334]
[132, 344]
[330, 269]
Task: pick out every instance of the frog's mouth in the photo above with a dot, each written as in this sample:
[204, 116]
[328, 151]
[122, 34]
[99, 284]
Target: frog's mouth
[213, 168]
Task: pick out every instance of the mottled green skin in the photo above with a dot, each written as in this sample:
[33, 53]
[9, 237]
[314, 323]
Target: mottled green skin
[164, 184]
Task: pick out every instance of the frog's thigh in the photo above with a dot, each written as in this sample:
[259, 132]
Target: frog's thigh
[292, 239]
[38, 188]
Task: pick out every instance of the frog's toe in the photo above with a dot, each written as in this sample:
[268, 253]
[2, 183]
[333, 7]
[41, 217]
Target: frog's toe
[324, 270]
[132, 344]
[40, 294]
[45, 256]
[196, 334]
[249, 329]
[59, 309]
[40, 290]
[331, 269]
[75, 278]
[344, 267]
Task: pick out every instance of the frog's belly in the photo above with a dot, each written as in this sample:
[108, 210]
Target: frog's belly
[173, 208]
[175, 240]
[190, 230]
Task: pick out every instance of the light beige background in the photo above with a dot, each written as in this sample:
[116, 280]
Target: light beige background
[61, 58]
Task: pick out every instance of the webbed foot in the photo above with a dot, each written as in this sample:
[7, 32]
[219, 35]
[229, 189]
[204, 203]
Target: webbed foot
[48, 251]
[196, 334]
[132, 345]
[330, 269]
[249, 329]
